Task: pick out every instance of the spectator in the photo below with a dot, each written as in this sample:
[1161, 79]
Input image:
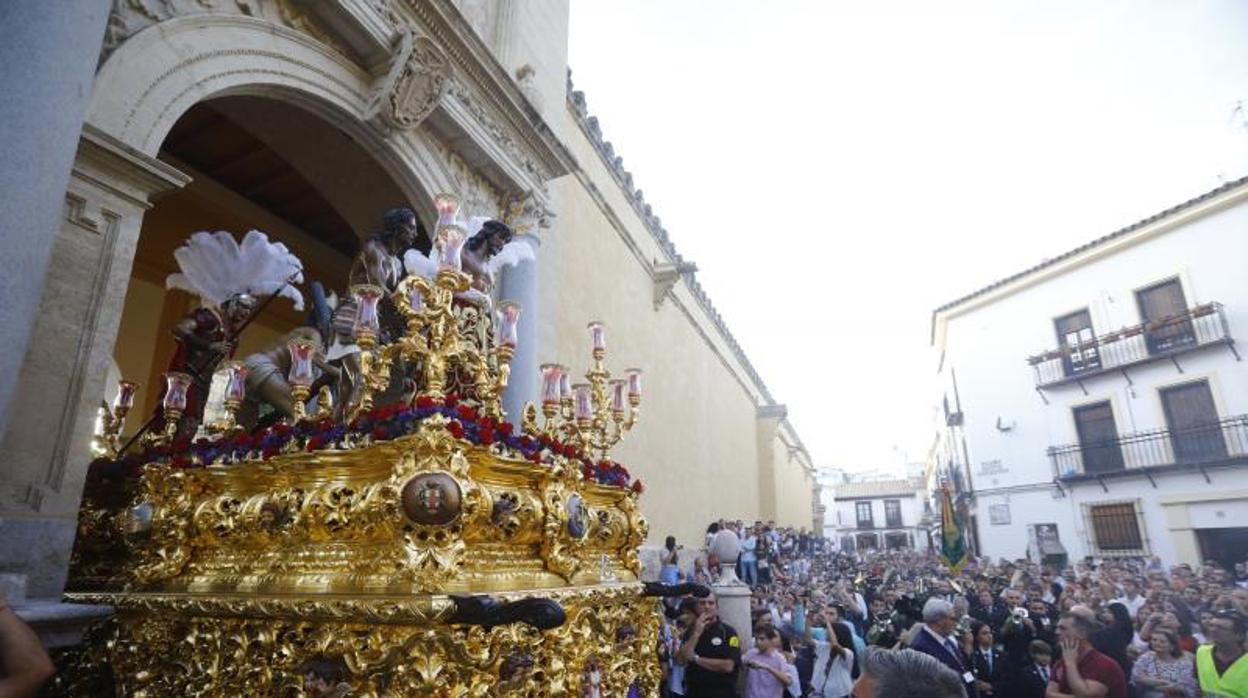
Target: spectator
[766, 673]
[1033, 681]
[669, 573]
[24, 666]
[710, 653]
[1222, 668]
[935, 638]
[1083, 672]
[990, 665]
[1131, 597]
[749, 563]
[1165, 671]
[833, 673]
[895, 673]
[1116, 636]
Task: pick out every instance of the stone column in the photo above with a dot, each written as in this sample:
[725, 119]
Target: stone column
[49, 52]
[46, 449]
[734, 609]
[520, 285]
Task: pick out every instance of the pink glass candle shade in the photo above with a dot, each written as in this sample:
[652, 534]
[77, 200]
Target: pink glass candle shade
[619, 389]
[301, 353]
[366, 298]
[584, 403]
[634, 382]
[452, 238]
[598, 333]
[508, 319]
[565, 383]
[552, 374]
[176, 387]
[235, 381]
[125, 395]
[448, 208]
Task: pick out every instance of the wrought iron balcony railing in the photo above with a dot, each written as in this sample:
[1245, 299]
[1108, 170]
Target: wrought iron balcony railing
[866, 525]
[1202, 326]
[1216, 443]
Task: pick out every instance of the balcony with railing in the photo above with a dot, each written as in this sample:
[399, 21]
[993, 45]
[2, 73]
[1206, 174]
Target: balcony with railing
[1202, 326]
[1224, 442]
[866, 525]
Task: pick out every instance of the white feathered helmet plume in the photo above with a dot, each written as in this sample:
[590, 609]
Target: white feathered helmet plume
[216, 268]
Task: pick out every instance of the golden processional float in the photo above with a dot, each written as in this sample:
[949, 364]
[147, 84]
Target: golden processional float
[425, 547]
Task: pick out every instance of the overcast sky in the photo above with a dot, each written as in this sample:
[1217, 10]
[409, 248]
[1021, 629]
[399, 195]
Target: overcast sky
[875, 159]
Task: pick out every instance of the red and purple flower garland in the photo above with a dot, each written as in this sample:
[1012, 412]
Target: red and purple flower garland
[380, 424]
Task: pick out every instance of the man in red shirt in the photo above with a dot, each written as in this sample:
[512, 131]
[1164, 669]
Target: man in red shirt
[1083, 672]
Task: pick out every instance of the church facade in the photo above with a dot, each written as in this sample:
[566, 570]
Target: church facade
[307, 121]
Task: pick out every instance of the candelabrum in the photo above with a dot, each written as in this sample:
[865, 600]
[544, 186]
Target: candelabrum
[235, 391]
[593, 415]
[107, 438]
[434, 338]
[301, 375]
[177, 385]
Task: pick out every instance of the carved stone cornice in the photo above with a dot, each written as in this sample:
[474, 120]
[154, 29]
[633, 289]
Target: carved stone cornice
[414, 85]
[489, 93]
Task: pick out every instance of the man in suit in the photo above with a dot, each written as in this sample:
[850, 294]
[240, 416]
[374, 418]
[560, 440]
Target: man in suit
[1034, 679]
[935, 638]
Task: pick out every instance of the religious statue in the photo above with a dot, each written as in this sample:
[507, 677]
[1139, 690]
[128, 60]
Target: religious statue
[228, 277]
[486, 243]
[379, 263]
[268, 371]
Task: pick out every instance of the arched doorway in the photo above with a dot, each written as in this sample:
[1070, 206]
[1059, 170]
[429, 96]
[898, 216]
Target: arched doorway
[255, 163]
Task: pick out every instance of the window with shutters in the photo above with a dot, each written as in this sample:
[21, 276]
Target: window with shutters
[1116, 529]
[1167, 325]
[865, 519]
[892, 513]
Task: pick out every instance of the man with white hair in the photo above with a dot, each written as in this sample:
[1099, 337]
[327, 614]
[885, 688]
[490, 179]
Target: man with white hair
[936, 638]
[893, 673]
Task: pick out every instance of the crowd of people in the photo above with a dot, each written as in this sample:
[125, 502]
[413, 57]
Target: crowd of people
[880, 624]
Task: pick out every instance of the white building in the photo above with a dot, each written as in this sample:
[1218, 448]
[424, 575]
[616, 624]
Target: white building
[878, 514]
[1099, 397]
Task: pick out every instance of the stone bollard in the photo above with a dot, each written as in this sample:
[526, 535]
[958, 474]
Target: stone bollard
[734, 609]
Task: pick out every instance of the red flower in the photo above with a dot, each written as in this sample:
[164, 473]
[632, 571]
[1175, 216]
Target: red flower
[425, 402]
[451, 400]
[536, 457]
[281, 429]
[242, 441]
[638, 488]
[486, 435]
[505, 428]
[268, 453]
[588, 472]
[526, 442]
[181, 444]
[456, 429]
[569, 451]
[315, 443]
[325, 424]
[180, 462]
[466, 413]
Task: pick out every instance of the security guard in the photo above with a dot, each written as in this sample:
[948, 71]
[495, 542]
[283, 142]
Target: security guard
[711, 653]
[1222, 667]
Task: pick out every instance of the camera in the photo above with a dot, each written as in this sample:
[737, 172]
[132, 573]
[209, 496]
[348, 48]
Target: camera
[1020, 614]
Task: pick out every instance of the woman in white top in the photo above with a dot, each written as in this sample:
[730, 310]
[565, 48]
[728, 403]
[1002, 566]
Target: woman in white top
[833, 676]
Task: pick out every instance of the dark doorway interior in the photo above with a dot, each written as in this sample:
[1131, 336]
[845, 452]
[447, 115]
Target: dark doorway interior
[1228, 546]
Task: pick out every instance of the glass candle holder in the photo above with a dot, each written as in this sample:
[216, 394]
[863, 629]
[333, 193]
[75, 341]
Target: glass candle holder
[583, 401]
[301, 353]
[447, 206]
[176, 386]
[366, 297]
[125, 395]
[633, 375]
[619, 395]
[451, 239]
[415, 298]
[235, 381]
[598, 334]
[552, 374]
[565, 383]
[508, 319]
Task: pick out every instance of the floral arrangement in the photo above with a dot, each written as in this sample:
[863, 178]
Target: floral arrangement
[380, 424]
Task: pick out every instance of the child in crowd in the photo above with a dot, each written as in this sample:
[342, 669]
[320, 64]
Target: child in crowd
[767, 675]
